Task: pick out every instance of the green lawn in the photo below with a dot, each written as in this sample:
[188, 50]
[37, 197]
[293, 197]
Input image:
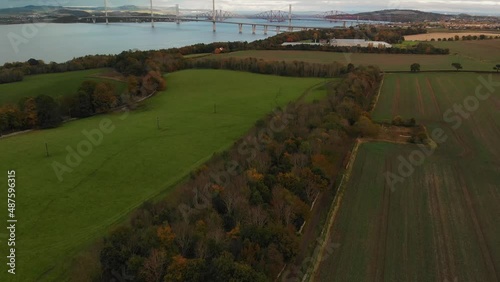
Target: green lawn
[439, 222]
[54, 85]
[135, 162]
[387, 62]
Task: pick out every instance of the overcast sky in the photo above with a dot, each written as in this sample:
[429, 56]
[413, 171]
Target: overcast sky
[466, 6]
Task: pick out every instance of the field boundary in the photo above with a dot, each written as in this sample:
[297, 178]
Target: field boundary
[334, 208]
[378, 94]
[443, 71]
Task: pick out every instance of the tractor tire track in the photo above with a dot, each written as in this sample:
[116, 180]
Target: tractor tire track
[483, 243]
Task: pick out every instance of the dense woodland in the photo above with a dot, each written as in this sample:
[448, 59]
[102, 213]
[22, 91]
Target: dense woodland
[237, 218]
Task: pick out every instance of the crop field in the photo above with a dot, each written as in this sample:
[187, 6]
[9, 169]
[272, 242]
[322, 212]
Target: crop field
[479, 50]
[387, 62]
[438, 220]
[436, 35]
[54, 85]
[141, 155]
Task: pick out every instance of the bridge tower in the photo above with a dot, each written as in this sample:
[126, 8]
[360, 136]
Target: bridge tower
[106, 10]
[290, 18]
[152, 15]
[213, 16]
[177, 14]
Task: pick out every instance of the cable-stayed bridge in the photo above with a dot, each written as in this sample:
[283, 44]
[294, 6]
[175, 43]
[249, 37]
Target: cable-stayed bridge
[278, 19]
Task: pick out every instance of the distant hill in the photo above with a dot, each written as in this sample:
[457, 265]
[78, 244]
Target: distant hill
[30, 9]
[413, 16]
[402, 16]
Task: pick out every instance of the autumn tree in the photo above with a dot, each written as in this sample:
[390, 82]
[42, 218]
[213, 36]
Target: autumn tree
[103, 97]
[165, 235]
[11, 118]
[457, 66]
[83, 105]
[30, 114]
[48, 113]
[183, 235]
[366, 128]
[132, 85]
[151, 82]
[154, 266]
[415, 67]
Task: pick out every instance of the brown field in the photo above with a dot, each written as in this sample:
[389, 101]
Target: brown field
[477, 50]
[429, 36]
[440, 222]
[387, 62]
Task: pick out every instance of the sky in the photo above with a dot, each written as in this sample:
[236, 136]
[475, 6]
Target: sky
[455, 6]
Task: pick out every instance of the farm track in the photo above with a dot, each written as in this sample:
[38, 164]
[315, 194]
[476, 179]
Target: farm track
[382, 235]
[395, 105]
[420, 104]
[334, 210]
[433, 97]
[441, 248]
[461, 141]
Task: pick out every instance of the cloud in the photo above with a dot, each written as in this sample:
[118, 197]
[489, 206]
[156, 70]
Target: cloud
[465, 6]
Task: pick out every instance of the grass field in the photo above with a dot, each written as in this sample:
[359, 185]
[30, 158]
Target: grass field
[54, 85]
[135, 162]
[387, 62]
[440, 222]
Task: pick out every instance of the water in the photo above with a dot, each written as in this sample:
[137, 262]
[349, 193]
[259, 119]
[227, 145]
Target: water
[62, 42]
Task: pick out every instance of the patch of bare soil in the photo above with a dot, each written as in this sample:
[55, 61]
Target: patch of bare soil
[392, 134]
[111, 74]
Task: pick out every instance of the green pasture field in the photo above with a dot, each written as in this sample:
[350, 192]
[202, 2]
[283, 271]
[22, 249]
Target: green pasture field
[137, 161]
[387, 62]
[55, 85]
[439, 223]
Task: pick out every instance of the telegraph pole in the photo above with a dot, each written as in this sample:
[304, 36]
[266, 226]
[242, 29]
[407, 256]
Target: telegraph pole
[213, 16]
[152, 19]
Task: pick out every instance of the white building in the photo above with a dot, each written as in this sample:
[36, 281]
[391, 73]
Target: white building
[345, 43]
[359, 43]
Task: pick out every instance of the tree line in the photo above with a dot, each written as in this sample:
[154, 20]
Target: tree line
[467, 38]
[91, 98]
[141, 62]
[31, 112]
[237, 218]
[282, 68]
